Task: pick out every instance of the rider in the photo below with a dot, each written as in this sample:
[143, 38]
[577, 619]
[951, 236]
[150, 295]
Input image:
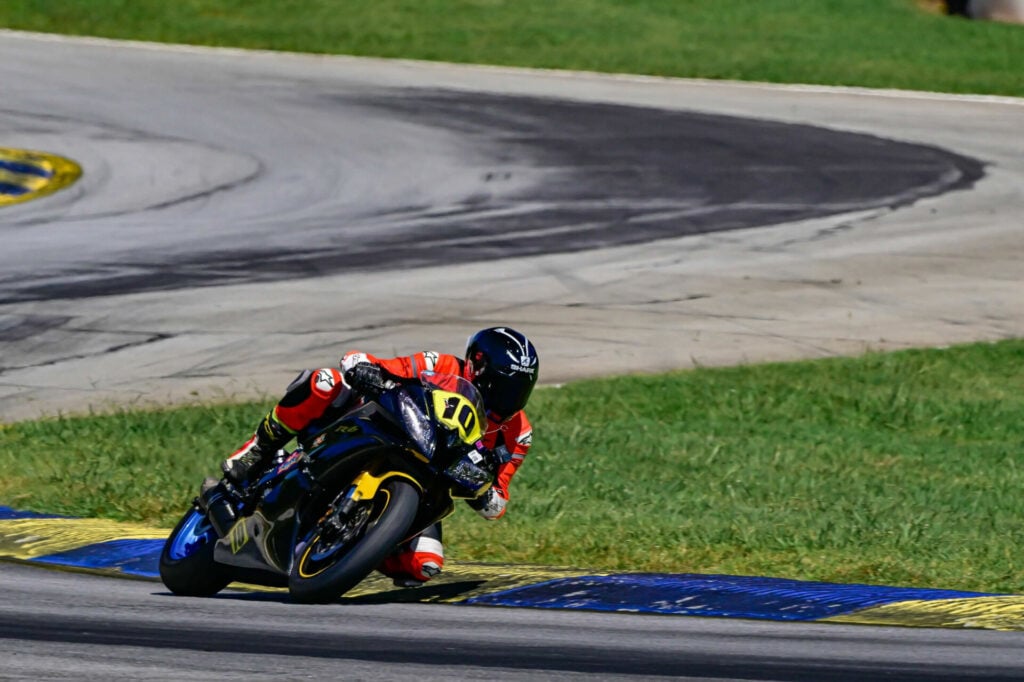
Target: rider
[501, 362]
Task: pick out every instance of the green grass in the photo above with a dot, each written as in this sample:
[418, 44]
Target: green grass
[875, 43]
[899, 468]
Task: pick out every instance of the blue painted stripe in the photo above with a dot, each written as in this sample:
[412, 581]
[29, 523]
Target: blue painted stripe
[25, 168]
[709, 595]
[6, 513]
[134, 557]
[8, 188]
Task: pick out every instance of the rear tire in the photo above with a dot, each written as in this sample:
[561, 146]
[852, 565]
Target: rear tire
[187, 567]
[323, 570]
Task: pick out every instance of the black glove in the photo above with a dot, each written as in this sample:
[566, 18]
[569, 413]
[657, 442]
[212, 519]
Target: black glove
[366, 377]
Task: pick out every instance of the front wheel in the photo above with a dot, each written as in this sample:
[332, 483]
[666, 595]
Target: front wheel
[186, 562]
[338, 553]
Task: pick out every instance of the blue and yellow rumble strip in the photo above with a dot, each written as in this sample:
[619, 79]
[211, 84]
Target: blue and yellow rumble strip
[28, 175]
[97, 545]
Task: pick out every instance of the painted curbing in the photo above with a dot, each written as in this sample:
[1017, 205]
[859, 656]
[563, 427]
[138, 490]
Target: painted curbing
[132, 550]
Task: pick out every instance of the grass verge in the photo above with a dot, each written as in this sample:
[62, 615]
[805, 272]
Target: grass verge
[880, 43]
[900, 468]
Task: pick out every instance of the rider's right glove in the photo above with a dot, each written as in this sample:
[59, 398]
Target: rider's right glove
[365, 377]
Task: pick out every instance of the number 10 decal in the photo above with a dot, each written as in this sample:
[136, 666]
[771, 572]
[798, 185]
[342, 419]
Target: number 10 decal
[458, 413]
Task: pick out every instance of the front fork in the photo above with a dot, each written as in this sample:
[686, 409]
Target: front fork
[218, 504]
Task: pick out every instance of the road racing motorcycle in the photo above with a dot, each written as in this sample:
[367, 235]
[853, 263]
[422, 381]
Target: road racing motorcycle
[325, 515]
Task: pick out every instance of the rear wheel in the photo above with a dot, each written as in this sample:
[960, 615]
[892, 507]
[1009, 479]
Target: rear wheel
[339, 552]
[186, 562]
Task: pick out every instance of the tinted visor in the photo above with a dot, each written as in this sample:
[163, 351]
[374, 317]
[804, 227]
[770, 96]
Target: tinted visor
[505, 394]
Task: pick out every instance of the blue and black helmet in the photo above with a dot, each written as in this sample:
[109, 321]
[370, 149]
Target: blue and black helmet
[503, 365]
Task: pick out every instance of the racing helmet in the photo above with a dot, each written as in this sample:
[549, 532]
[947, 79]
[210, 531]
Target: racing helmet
[503, 365]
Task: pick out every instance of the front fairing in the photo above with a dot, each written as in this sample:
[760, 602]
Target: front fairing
[408, 409]
[450, 413]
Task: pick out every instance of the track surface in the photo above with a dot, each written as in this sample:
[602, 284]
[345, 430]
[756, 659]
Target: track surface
[539, 176]
[63, 626]
[327, 168]
[338, 170]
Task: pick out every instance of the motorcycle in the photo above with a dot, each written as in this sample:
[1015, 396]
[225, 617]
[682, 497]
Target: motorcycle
[325, 515]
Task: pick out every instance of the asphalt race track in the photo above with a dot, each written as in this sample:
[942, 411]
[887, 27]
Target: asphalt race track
[61, 626]
[253, 214]
[243, 215]
[551, 176]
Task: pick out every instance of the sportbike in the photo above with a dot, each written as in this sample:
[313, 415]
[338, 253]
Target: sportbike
[326, 514]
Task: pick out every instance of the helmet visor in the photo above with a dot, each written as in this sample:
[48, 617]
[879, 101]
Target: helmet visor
[505, 394]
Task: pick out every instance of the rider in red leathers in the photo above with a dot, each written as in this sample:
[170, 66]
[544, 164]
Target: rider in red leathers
[501, 362]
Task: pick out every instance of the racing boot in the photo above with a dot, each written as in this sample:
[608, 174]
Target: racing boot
[251, 460]
[415, 562]
[245, 466]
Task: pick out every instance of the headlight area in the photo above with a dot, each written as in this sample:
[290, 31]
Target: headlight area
[469, 471]
[417, 423]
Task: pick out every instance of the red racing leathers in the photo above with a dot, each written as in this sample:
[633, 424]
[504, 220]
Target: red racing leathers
[315, 393]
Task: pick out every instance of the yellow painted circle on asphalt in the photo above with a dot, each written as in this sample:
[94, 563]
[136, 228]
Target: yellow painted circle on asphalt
[26, 174]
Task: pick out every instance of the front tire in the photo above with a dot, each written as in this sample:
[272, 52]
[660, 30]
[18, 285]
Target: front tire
[328, 562]
[187, 567]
